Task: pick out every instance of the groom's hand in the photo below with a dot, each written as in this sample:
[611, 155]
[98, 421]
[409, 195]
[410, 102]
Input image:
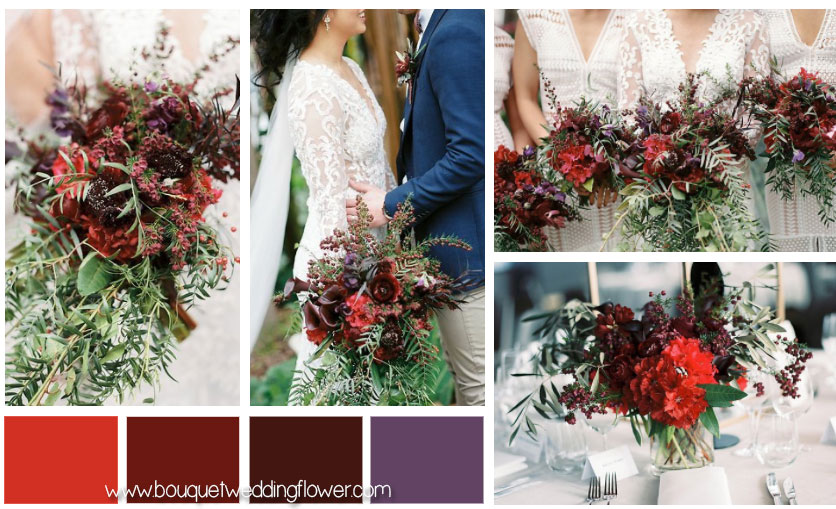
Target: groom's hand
[373, 197]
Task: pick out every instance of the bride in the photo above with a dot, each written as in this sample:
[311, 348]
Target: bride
[327, 114]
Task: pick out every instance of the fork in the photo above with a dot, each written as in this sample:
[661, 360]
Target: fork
[594, 493]
[610, 487]
[772, 487]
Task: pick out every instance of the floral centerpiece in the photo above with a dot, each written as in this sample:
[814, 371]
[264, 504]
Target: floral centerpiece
[367, 305]
[118, 244]
[525, 202]
[688, 191]
[798, 118]
[664, 371]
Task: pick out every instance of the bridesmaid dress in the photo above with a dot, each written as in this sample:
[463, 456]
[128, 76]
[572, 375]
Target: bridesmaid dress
[572, 76]
[795, 224]
[503, 53]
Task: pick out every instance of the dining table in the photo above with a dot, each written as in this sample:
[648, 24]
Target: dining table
[813, 472]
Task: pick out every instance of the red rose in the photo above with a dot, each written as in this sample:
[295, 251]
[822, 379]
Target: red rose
[385, 287]
[112, 113]
[522, 178]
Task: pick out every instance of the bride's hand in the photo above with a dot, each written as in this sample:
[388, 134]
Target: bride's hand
[373, 197]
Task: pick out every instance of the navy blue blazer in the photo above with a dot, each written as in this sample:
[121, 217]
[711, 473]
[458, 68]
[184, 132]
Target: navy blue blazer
[442, 148]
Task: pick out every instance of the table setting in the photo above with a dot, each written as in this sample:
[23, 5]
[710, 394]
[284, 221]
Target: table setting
[704, 398]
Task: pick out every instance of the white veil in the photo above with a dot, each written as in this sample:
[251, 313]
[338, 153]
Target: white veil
[268, 207]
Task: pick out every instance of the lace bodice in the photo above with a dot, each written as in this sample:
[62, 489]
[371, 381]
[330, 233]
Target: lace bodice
[338, 135]
[562, 63]
[503, 52]
[561, 59]
[793, 54]
[104, 43]
[651, 59]
[795, 224]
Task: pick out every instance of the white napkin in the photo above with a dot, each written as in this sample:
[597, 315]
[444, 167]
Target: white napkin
[697, 486]
[505, 464]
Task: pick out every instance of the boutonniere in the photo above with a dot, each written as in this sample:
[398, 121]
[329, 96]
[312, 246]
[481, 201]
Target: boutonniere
[406, 64]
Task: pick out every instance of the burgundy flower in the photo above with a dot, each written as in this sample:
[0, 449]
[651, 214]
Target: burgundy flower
[385, 287]
[112, 113]
[329, 303]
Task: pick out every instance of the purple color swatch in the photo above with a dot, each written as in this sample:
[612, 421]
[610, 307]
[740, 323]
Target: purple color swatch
[428, 459]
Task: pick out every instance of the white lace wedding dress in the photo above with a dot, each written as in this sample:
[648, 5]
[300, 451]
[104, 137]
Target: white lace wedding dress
[651, 59]
[572, 76]
[338, 134]
[503, 52]
[795, 224]
[99, 44]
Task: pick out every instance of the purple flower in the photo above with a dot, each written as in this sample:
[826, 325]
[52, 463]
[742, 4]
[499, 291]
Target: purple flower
[350, 259]
[150, 86]
[351, 281]
[561, 197]
[58, 101]
[797, 156]
[642, 110]
[529, 151]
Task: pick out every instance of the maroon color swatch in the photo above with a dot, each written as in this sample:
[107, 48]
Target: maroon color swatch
[183, 459]
[299, 457]
[60, 460]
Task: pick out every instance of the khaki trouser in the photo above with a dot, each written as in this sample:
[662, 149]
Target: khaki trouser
[463, 343]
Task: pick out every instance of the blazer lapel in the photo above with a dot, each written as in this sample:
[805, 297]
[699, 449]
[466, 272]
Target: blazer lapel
[407, 118]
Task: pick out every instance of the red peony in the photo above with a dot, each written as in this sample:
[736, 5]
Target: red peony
[655, 148]
[362, 314]
[522, 179]
[74, 181]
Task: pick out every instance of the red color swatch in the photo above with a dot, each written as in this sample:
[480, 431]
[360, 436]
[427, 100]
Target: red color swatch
[60, 460]
[306, 459]
[183, 459]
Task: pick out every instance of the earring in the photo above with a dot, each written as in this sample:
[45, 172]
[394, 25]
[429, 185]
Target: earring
[327, 23]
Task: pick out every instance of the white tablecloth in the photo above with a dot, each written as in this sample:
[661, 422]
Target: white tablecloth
[814, 472]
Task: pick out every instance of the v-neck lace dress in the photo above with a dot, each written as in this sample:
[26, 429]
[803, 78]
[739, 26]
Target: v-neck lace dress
[795, 224]
[572, 76]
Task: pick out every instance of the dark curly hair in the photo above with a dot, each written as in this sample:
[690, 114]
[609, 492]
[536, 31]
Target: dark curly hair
[278, 35]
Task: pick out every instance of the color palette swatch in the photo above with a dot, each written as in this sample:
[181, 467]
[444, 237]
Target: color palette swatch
[306, 459]
[60, 459]
[182, 458]
[428, 459]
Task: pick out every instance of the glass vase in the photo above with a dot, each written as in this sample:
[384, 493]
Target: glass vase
[687, 448]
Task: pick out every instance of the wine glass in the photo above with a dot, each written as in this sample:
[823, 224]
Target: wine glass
[776, 439]
[602, 423]
[752, 404]
[793, 407]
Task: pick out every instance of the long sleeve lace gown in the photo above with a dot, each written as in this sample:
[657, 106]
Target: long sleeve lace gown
[103, 44]
[338, 134]
[795, 224]
[562, 63]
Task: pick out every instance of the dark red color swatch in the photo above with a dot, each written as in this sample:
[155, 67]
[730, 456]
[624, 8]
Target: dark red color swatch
[302, 456]
[60, 460]
[183, 459]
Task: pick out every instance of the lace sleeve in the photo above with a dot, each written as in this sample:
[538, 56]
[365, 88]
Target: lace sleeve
[316, 125]
[75, 44]
[630, 65]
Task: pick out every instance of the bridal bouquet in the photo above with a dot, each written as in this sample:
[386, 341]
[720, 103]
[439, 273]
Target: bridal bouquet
[367, 304]
[798, 117]
[118, 245]
[688, 191]
[665, 372]
[584, 151]
[525, 202]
